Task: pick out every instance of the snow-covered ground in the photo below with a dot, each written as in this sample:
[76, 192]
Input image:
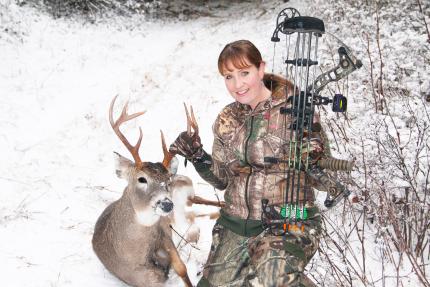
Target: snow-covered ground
[57, 78]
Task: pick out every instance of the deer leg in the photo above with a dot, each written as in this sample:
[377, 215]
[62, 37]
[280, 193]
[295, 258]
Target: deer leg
[176, 262]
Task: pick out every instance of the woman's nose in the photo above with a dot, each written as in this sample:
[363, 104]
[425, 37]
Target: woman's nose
[238, 83]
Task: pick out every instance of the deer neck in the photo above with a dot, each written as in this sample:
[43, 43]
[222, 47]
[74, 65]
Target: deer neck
[147, 217]
[144, 218]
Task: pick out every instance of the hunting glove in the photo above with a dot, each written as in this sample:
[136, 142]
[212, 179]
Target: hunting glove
[313, 152]
[189, 147]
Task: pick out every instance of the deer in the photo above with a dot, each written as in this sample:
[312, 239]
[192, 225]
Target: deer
[133, 237]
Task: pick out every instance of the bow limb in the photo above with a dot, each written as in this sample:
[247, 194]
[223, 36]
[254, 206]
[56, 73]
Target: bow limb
[348, 63]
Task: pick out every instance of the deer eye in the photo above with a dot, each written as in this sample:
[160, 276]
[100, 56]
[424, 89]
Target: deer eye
[142, 180]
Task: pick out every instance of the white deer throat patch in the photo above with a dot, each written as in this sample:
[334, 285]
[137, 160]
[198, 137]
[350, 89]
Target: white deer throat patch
[147, 217]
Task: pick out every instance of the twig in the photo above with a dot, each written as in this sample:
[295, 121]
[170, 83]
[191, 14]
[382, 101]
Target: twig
[424, 19]
[182, 238]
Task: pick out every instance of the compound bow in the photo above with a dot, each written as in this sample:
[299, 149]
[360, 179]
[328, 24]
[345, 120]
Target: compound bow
[301, 39]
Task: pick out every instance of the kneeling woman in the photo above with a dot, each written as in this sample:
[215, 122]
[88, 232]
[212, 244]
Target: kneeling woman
[246, 131]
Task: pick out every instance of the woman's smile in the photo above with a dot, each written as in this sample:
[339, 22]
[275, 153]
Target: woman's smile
[242, 92]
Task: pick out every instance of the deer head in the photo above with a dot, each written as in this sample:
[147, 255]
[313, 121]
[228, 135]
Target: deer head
[148, 183]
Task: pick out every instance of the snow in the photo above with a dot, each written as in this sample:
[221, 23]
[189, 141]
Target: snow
[58, 76]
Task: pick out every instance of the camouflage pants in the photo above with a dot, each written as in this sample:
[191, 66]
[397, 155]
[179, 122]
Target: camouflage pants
[264, 260]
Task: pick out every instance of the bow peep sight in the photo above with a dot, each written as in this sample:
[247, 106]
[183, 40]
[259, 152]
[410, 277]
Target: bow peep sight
[302, 34]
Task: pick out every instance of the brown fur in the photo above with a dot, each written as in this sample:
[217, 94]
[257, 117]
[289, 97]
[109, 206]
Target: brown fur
[137, 254]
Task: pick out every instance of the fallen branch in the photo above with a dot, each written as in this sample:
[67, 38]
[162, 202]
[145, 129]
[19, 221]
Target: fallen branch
[199, 200]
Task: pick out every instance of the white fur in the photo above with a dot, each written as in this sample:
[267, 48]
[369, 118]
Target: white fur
[174, 163]
[183, 224]
[181, 194]
[147, 217]
[150, 215]
[180, 198]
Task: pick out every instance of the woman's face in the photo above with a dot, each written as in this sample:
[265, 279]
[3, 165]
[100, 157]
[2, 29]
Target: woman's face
[245, 84]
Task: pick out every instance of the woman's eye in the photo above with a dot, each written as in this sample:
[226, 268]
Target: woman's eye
[244, 73]
[227, 77]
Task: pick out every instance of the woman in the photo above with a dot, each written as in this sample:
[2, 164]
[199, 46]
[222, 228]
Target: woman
[245, 132]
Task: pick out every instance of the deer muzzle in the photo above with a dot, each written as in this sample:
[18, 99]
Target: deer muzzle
[166, 205]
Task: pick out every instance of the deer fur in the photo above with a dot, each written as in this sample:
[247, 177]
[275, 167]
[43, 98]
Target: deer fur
[132, 237]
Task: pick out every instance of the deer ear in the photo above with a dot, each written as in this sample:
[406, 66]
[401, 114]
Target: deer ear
[173, 166]
[122, 165]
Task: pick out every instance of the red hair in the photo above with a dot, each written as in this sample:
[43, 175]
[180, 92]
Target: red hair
[241, 54]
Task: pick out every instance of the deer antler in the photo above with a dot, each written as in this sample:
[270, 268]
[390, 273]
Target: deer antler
[191, 122]
[192, 131]
[134, 150]
[167, 155]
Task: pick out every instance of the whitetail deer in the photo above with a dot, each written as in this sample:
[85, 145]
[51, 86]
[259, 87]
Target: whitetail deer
[132, 237]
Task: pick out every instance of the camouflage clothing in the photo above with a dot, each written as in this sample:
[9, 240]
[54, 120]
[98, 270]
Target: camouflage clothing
[241, 255]
[263, 260]
[242, 138]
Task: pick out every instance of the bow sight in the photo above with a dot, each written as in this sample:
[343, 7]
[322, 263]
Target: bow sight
[301, 46]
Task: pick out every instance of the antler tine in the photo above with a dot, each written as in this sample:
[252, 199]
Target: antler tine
[191, 122]
[167, 155]
[188, 120]
[194, 122]
[134, 150]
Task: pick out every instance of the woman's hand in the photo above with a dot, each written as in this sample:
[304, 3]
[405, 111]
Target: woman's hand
[313, 150]
[187, 146]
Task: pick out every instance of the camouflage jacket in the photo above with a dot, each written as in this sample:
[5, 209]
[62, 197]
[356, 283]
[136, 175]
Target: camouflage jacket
[242, 138]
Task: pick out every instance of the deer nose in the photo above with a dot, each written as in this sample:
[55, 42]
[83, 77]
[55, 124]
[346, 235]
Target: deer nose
[166, 205]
